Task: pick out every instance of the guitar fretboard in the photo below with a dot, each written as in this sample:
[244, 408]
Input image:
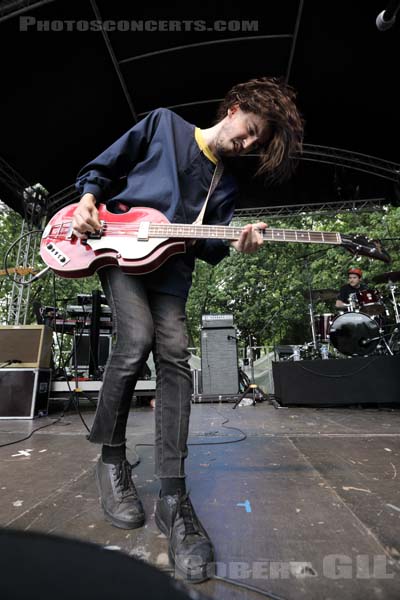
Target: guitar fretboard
[144, 230]
[233, 233]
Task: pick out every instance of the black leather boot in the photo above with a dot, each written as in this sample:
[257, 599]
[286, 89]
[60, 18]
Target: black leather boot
[118, 495]
[190, 548]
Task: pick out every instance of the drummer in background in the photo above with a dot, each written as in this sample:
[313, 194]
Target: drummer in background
[354, 285]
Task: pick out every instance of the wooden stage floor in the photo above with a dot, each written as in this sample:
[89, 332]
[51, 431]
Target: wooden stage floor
[306, 507]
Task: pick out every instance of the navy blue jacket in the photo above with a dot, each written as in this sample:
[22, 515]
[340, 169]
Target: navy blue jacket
[159, 164]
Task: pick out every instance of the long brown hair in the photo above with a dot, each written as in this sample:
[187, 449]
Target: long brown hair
[273, 100]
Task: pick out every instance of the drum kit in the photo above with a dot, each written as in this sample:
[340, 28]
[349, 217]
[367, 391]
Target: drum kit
[368, 325]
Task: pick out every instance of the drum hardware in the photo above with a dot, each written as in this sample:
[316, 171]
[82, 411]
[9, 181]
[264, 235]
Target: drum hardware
[354, 333]
[370, 302]
[322, 295]
[353, 303]
[392, 290]
[313, 332]
[358, 334]
[386, 277]
[394, 341]
[319, 328]
[322, 325]
[362, 328]
[386, 344]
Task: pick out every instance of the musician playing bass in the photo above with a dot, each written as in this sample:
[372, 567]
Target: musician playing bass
[353, 285]
[168, 164]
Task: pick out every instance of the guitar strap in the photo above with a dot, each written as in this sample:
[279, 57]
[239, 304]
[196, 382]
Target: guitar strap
[219, 169]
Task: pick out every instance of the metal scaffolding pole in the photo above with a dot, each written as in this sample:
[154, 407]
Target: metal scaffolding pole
[35, 199]
[315, 208]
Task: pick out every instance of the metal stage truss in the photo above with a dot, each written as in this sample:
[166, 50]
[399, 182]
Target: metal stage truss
[322, 154]
[17, 187]
[12, 8]
[314, 208]
[27, 249]
[70, 195]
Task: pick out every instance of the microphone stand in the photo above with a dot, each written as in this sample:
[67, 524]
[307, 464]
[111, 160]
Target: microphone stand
[394, 334]
[306, 263]
[253, 388]
[311, 304]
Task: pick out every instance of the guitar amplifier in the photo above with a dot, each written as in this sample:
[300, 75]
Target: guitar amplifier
[24, 393]
[82, 350]
[214, 321]
[219, 361]
[26, 346]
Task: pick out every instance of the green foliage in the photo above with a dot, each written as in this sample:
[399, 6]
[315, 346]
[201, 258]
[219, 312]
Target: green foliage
[48, 291]
[267, 292]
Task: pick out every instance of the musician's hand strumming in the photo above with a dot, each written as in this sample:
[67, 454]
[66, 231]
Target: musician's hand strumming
[86, 219]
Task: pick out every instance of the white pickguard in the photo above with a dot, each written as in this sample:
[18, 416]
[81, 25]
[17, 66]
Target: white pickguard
[128, 247]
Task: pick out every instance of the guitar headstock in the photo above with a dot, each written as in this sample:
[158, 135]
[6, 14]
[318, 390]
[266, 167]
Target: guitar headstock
[18, 270]
[364, 246]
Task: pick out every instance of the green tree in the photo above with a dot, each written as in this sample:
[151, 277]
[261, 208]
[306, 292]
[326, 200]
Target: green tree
[48, 291]
[267, 292]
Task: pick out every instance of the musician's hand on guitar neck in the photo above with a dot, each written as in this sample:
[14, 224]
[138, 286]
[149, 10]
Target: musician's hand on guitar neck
[250, 239]
[86, 217]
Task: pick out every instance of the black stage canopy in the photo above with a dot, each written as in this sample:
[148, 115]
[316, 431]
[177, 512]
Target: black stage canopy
[70, 89]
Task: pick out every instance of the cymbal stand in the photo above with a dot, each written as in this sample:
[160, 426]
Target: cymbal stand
[252, 388]
[382, 338]
[395, 332]
[310, 305]
[312, 322]
[392, 289]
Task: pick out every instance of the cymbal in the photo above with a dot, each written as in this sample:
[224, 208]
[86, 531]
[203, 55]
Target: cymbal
[385, 277]
[325, 294]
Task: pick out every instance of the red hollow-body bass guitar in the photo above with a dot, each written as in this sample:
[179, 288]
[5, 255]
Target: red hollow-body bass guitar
[142, 239]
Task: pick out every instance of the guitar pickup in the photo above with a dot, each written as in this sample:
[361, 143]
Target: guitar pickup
[97, 234]
[143, 231]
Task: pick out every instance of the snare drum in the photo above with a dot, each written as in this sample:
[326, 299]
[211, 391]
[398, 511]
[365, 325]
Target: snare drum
[322, 325]
[370, 302]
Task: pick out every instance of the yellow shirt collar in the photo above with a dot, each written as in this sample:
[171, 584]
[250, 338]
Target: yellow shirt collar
[203, 146]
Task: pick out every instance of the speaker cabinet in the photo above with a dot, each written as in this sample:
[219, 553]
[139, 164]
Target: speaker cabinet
[358, 380]
[82, 349]
[219, 361]
[24, 393]
[26, 346]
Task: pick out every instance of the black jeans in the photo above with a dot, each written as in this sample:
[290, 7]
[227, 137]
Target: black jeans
[145, 321]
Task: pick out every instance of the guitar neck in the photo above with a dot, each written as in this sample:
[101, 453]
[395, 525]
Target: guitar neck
[10, 271]
[222, 232]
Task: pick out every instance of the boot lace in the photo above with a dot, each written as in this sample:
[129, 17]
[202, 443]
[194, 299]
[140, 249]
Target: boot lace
[188, 516]
[123, 479]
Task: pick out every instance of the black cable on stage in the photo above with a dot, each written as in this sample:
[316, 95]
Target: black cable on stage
[242, 439]
[246, 586]
[73, 396]
[31, 433]
[369, 363]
